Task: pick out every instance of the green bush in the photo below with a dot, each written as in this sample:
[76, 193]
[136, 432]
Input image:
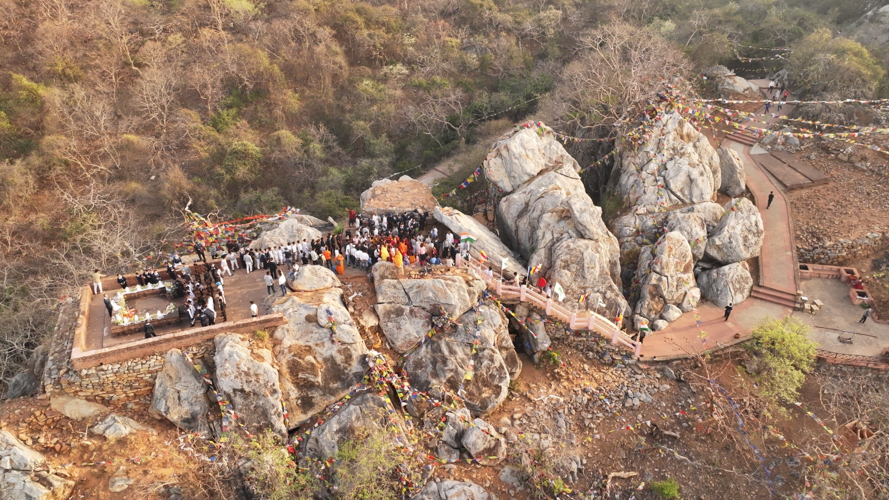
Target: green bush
[667, 489]
[241, 163]
[785, 354]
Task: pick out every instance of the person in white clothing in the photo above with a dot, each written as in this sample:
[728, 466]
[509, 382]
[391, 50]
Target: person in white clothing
[233, 261]
[223, 266]
[282, 282]
[254, 311]
[248, 262]
[210, 304]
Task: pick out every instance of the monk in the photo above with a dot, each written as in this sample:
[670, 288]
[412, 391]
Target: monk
[384, 254]
[399, 262]
[340, 266]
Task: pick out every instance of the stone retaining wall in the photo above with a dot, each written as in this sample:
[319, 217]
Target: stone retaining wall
[843, 252]
[126, 372]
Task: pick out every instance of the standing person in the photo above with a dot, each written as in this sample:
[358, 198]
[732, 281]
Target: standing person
[121, 281]
[199, 250]
[233, 261]
[248, 262]
[728, 311]
[780, 104]
[340, 267]
[269, 282]
[97, 282]
[254, 311]
[352, 215]
[211, 316]
[398, 259]
[191, 312]
[866, 314]
[223, 266]
[111, 309]
[272, 267]
[785, 95]
[771, 197]
[768, 105]
[282, 282]
[771, 86]
[149, 330]
[541, 283]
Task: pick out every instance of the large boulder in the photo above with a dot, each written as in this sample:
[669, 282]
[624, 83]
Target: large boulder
[320, 354]
[676, 166]
[76, 408]
[250, 384]
[288, 231]
[665, 275]
[734, 178]
[365, 413]
[739, 234]
[28, 381]
[453, 490]
[403, 326]
[311, 278]
[180, 394]
[24, 473]
[693, 227]
[521, 155]
[486, 241]
[453, 293]
[476, 360]
[403, 195]
[592, 267]
[726, 285]
[644, 225]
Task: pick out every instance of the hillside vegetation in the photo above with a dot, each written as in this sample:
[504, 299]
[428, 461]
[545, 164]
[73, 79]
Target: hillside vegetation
[115, 114]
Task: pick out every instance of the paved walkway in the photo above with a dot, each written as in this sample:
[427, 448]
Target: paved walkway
[683, 337]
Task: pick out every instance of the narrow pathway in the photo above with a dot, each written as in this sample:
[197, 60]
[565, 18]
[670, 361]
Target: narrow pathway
[683, 337]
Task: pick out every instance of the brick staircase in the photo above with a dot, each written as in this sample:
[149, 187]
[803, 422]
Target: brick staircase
[744, 137]
[774, 296]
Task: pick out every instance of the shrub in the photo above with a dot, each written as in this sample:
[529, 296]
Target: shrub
[785, 354]
[667, 489]
[241, 162]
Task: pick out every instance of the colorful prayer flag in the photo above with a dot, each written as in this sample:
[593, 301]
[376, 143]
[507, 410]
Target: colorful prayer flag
[483, 257]
[582, 298]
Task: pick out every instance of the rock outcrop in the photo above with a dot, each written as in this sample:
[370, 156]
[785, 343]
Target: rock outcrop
[311, 278]
[453, 490]
[665, 275]
[403, 326]
[76, 408]
[677, 166]
[288, 231]
[28, 381]
[180, 394]
[726, 285]
[403, 195]
[486, 241]
[321, 353]
[484, 443]
[365, 413]
[734, 178]
[519, 156]
[727, 83]
[250, 384]
[476, 360]
[24, 473]
[643, 226]
[739, 234]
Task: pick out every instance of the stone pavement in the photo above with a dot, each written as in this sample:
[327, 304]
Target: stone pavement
[683, 337]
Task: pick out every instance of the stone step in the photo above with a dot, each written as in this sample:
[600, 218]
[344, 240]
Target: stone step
[774, 296]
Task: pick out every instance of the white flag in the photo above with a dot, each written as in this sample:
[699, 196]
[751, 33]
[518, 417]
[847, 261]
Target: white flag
[602, 304]
[503, 265]
[558, 290]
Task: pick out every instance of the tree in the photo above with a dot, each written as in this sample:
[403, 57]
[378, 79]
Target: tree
[834, 67]
[785, 354]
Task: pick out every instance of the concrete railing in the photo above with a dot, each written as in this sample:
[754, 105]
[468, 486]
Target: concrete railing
[582, 320]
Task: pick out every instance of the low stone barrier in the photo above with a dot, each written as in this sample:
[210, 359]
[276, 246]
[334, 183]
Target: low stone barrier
[842, 252]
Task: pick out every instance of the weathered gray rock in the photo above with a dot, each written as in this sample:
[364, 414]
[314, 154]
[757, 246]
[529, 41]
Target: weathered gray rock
[691, 300]
[390, 196]
[734, 84]
[321, 353]
[114, 427]
[739, 234]
[27, 382]
[23, 475]
[486, 241]
[533, 334]
[585, 266]
[710, 212]
[659, 324]
[693, 227]
[726, 285]
[403, 326]
[734, 178]
[311, 278]
[455, 426]
[119, 481]
[484, 443]
[677, 166]
[288, 231]
[551, 221]
[365, 413]
[665, 275]
[453, 490]
[76, 408]
[671, 313]
[249, 384]
[518, 157]
[455, 294]
[446, 359]
[180, 394]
